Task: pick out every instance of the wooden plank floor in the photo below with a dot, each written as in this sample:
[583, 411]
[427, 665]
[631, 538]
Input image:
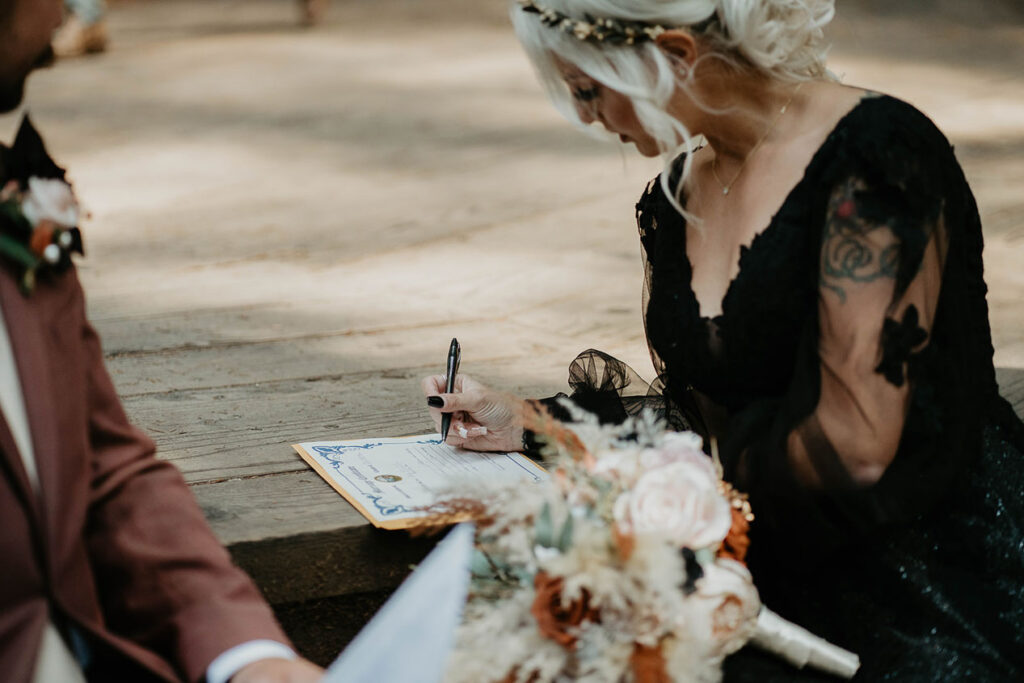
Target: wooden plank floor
[288, 227]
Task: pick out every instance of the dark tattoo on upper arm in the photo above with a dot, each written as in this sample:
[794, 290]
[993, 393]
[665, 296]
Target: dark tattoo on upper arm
[847, 253]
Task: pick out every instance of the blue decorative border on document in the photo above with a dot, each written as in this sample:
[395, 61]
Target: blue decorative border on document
[332, 456]
[397, 509]
[329, 453]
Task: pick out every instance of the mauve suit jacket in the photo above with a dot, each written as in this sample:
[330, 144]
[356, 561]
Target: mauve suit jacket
[116, 544]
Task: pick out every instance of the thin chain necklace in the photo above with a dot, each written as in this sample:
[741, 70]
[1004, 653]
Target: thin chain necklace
[714, 164]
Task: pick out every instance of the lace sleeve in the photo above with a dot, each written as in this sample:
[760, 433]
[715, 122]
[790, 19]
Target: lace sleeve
[857, 440]
[611, 389]
[879, 290]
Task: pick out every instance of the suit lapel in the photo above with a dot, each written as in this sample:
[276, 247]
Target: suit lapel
[11, 464]
[10, 456]
[29, 349]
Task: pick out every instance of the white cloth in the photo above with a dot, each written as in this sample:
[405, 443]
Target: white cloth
[231, 661]
[55, 661]
[423, 615]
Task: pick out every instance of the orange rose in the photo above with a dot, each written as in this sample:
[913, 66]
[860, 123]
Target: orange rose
[624, 542]
[737, 541]
[556, 620]
[648, 665]
[511, 678]
[42, 237]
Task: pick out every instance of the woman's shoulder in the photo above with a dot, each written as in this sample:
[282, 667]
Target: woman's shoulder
[884, 124]
[890, 141]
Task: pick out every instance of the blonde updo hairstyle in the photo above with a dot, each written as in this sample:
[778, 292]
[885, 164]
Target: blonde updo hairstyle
[781, 39]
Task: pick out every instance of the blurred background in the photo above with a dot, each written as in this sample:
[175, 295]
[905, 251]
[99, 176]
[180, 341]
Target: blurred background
[290, 222]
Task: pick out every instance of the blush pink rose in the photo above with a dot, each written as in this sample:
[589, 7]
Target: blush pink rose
[679, 501]
[677, 447]
[625, 465]
[617, 466]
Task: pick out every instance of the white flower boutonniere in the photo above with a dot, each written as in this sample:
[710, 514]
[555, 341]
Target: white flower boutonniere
[38, 211]
[50, 199]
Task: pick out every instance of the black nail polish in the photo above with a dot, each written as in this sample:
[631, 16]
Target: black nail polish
[435, 402]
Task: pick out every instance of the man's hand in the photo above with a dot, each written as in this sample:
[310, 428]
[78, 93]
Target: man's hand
[279, 671]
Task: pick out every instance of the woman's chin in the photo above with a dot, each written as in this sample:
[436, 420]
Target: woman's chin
[645, 148]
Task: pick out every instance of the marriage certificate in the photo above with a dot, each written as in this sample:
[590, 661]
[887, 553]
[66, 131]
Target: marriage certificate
[391, 481]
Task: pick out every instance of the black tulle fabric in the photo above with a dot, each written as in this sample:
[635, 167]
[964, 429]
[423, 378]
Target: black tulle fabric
[922, 572]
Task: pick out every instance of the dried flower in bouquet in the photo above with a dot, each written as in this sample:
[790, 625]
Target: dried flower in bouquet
[622, 567]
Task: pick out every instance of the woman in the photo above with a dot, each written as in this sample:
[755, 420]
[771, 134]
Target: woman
[815, 302]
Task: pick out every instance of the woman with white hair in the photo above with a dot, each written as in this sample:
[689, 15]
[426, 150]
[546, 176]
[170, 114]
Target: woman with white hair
[814, 301]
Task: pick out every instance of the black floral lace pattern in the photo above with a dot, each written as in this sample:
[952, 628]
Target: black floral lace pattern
[899, 339]
[860, 310]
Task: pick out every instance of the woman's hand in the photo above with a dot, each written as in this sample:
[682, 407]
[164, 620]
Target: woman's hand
[482, 419]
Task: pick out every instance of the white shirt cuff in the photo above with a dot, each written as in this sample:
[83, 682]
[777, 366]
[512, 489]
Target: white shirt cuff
[233, 660]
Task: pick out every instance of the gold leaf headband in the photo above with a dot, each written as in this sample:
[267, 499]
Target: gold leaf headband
[595, 30]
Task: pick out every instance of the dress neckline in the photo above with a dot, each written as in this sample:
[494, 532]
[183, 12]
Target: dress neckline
[746, 249]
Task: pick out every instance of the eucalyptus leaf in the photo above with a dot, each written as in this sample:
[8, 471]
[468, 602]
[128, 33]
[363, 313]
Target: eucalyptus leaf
[705, 556]
[523, 575]
[565, 538]
[480, 566]
[544, 528]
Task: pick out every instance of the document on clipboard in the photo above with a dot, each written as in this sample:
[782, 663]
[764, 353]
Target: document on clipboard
[392, 481]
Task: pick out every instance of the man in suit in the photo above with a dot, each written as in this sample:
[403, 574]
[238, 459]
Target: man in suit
[108, 570]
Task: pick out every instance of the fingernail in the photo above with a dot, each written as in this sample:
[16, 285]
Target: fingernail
[435, 402]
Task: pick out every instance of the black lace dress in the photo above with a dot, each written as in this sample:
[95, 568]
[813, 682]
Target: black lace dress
[857, 321]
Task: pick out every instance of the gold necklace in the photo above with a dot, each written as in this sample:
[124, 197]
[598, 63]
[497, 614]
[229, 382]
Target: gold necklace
[714, 164]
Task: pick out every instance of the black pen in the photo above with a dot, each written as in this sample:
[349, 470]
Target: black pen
[452, 366]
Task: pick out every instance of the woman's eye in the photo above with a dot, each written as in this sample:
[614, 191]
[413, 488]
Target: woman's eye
[585, 94]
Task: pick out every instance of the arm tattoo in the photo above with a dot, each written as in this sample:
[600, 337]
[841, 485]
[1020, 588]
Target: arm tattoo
[847, 255]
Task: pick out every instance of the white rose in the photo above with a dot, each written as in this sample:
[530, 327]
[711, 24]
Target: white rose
[624, 465]
[678, 447]
[50, 199]
[723, 611]
[679, 501]
[620, 466]
[683, 441]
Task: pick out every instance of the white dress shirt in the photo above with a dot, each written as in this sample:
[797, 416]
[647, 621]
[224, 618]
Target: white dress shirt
[55, 661]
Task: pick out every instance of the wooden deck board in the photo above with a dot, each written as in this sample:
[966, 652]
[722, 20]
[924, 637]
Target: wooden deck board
[1011, 387]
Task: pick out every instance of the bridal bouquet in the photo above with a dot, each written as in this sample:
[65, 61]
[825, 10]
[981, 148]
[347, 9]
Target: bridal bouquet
[627, 565]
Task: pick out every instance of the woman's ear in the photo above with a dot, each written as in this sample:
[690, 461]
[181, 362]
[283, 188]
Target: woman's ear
[678, 44]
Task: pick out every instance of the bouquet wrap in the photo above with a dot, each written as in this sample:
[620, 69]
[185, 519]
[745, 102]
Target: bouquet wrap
[800, 647]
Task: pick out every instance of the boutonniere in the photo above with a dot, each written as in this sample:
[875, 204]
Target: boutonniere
[38, 211]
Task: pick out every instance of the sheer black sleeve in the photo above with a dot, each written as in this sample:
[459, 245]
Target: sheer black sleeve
[872, 429]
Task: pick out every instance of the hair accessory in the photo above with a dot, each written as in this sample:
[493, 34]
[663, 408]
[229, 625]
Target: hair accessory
[595, 30]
